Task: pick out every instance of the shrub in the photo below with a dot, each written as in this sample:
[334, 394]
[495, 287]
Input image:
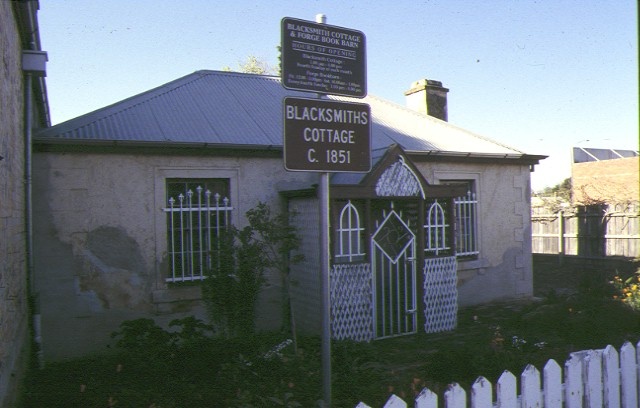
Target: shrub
[628, 290]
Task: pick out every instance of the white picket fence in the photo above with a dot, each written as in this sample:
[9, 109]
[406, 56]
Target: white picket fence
[592, 378]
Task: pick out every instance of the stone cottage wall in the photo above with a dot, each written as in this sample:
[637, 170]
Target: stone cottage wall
[13, 293]
[101, 240]
[503, 269]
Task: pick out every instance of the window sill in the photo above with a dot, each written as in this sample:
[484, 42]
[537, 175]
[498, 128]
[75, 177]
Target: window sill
[177, 294]
[472, 264]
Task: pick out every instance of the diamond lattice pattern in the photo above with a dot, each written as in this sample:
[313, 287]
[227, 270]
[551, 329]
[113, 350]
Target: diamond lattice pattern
[440, 294]
[351, 302]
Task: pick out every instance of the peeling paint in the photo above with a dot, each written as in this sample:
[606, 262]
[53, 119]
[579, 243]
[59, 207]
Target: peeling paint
[113, 271]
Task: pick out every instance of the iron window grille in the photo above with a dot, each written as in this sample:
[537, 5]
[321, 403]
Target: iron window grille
[196, 221]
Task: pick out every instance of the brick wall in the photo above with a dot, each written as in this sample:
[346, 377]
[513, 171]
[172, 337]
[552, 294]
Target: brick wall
[13, 287]
[610, 181]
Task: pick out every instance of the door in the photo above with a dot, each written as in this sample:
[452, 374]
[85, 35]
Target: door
[393, 250]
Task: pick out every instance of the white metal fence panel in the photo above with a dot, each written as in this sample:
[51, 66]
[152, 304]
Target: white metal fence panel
[351, 302]
[440, 294]
[592, 379]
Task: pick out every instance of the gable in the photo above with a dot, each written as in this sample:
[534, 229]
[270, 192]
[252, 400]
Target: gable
[398, 180]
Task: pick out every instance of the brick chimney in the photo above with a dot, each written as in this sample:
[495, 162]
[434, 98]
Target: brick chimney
[428, 96]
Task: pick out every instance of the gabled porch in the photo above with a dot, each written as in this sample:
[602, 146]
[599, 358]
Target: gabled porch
[393, 265]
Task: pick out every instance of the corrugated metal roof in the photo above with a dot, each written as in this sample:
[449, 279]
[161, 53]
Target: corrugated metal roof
[235, 109]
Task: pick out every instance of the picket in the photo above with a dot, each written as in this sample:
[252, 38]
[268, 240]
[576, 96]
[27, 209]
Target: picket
[573, 382]
[611, 377]
[628, 376]
[506, 390]
[395, 402]
[531, 392]
[592, 379]
[481, 393]
[552, 378]
[455, 396]
[427, 399]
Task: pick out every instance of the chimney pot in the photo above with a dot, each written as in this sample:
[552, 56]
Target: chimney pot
[428, 97]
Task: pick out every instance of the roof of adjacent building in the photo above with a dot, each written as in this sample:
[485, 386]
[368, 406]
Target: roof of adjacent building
[590, 154]
[235, 110]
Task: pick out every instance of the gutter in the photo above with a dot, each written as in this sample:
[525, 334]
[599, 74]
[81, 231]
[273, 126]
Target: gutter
[433, 155]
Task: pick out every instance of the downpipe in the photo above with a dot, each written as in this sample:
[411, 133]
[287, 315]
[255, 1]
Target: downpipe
[34, 301]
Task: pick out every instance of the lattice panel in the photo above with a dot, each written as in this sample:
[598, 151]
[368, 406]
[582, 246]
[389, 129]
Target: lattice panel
[440, 294]
[351, 302]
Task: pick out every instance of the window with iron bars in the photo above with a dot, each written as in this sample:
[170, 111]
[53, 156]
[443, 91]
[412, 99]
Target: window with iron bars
[437, 228]
[349, 240]
[467, 225]
[198, 213]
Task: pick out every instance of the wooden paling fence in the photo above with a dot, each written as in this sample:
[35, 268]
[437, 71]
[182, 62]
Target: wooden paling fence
[591, 378]
[596, 231]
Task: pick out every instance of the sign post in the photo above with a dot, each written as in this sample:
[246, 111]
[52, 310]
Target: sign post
[325, 135]
[322, 58]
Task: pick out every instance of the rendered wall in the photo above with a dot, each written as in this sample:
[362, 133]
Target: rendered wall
[13, 285]
[101, 244]
[504, 268]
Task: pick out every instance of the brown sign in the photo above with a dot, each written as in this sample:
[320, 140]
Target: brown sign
[326, 136]
[323, 58]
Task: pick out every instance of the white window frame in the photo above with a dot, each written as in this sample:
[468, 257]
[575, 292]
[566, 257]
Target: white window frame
[436, 229]
[349, 232]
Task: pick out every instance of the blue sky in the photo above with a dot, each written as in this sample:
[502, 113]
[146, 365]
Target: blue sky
[538, 75]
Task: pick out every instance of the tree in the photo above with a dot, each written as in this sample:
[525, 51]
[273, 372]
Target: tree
[253, 65]
[561, 190]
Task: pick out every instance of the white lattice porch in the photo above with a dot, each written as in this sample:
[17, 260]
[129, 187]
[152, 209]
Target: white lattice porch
[351, 302]
[440, 294]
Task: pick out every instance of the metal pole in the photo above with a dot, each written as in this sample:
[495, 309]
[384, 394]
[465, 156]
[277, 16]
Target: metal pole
[324, 276]
[326, 295]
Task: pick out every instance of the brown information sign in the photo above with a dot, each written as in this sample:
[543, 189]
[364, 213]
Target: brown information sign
[326, 136]
[323, 58]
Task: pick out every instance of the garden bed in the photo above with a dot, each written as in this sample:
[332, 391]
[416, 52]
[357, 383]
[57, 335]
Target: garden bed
[264, 370]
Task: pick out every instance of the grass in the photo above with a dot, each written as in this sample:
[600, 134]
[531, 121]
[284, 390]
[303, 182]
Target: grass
[196, 371]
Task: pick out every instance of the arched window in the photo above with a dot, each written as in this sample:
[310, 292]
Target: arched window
[349, 244]
[436, 229]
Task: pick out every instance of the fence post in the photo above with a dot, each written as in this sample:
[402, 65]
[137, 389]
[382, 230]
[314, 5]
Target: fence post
[561, 244]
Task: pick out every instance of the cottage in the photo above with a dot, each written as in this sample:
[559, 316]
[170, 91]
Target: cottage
[443, 212]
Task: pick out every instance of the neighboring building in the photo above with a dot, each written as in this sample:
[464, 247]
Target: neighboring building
[600, 176]
[113, 205]
[19, 52]
[600, 219]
